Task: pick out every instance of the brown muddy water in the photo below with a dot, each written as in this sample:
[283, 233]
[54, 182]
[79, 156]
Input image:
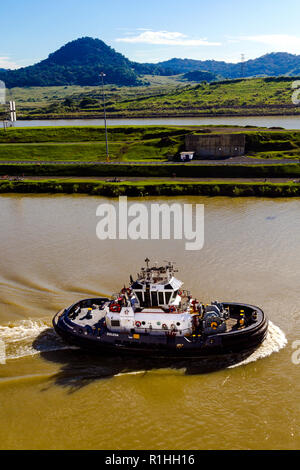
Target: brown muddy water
[54, 397]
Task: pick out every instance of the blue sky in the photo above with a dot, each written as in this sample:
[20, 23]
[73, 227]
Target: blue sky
[150, 31]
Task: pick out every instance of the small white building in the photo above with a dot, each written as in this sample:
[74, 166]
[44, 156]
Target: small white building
[186, 156]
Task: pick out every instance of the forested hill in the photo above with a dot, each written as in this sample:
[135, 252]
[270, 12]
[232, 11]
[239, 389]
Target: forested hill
[273, 65]
[79, 63]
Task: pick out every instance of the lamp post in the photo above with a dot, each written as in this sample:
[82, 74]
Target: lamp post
[102, 75]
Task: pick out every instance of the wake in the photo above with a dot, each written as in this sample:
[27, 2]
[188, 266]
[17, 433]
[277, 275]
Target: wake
[274, 342]
[19, 337]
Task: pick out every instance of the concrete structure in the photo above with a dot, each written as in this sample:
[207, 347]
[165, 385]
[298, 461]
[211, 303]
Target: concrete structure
[216, 146]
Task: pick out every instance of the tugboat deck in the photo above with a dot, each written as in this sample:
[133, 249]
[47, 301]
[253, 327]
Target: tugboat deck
[87, 317]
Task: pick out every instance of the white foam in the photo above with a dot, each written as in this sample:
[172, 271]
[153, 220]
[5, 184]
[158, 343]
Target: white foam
[18, 339]
[130, 373]
[2, 352]
[21, 330]
[274, 342]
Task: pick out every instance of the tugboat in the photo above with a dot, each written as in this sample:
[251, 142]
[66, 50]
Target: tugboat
[156, 317]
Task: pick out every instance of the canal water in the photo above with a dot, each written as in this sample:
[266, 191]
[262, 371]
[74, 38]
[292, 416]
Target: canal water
[287, 122]
[56, 397]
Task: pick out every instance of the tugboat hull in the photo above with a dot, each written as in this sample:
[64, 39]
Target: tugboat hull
[237, 342]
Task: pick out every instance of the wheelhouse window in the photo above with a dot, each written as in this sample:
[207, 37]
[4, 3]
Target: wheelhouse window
[154, 299]
[161, 299]
[175, 295]
[168, 296]
[140, 297]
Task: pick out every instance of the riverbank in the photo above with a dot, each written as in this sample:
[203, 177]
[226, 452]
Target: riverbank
[233, 171]
[134, 143]
[163, 98]
[152, 188]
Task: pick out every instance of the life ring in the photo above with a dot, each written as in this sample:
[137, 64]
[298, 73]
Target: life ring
[172, 309]
[214, 325]
[180, 293]
[115, 308]
[138, 324]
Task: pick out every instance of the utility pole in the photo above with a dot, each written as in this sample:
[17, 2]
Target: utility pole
[243, 66]
[102, 75]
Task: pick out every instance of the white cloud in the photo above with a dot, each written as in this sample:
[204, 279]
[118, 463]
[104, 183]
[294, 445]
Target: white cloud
[7, 63]
[278, 42]
[166, 38]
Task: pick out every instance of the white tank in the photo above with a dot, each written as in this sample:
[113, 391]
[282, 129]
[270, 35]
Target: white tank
[154, 321]
[160, 323]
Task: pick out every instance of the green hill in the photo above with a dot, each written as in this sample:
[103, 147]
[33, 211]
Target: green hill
[274, 65]
[77, 63]
[200, 76]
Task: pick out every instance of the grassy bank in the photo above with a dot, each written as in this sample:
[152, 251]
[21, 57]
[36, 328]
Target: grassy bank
[88, 133]
[133, 143]
[163, 96]
[154, 170]
[148, 188]
[257, 96]
[88, 143]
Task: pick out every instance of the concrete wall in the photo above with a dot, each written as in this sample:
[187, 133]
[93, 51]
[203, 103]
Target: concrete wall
[216, 146]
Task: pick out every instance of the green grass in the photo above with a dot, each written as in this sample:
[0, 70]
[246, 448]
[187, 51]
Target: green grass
[87, 133]
[81, 152]
[142, 189]
[55, 152]
[44, 101]
[88, 143]
[132, 143]
[165, 96]
[236, 97]
[148, 171]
